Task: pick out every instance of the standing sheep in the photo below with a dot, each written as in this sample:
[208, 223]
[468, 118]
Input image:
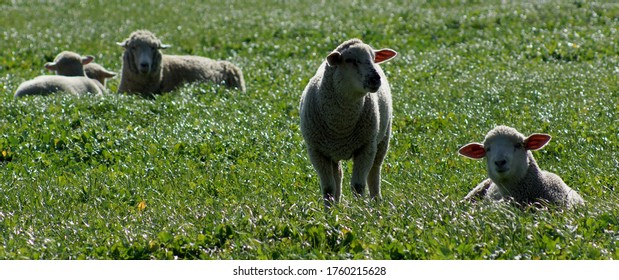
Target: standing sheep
[345, 113]
[147, 71]
[513, 172]
[72, 64]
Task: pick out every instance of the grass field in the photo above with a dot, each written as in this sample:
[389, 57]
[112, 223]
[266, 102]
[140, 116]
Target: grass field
[210, 173]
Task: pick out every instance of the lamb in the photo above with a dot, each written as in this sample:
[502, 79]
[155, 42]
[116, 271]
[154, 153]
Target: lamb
[48, 84]
[147, 71]
[72, 64]
[346, 113]
[98, 72]
[67, 63]
[513, 172]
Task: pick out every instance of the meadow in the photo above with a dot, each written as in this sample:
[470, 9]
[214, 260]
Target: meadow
[210, 173]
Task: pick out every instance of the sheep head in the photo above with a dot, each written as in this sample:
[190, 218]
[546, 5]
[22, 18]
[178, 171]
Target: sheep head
[97, 72]
[507, 152]
[69, 64]
[355, 65]
[142, 52]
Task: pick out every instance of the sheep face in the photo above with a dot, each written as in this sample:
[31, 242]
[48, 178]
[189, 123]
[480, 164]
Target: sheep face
[142, 52]
[507, 152]
[506, 158]
[356, 67]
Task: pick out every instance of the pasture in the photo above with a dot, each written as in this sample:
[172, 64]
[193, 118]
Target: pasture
[206, 172]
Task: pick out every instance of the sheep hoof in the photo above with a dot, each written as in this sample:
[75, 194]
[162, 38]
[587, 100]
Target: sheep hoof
[358, 190]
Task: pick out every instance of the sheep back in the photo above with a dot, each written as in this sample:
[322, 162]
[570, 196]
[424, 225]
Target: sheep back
[537, 186]
[178, 70]
[48, 84]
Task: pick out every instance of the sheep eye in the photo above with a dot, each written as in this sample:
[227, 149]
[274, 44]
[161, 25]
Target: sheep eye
[519, 145]
[488, 149]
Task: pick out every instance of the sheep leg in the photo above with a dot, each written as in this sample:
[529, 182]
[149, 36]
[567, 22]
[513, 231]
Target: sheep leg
[479, 191]
[327, 173]
[374, 176]
[362, 163]
[337, 173]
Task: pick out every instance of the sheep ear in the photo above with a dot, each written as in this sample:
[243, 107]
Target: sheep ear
[164, 46]
[384, 55]
[473, 150]
[87, 59]
[536, 141]
[108, 74]
[334, 58]
[51, 66]
[122, 44]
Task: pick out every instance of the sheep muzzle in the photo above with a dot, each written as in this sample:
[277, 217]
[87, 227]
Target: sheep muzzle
[373, 83]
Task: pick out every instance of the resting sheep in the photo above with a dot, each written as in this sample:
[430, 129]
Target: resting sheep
[98, 72]
[513, 172]
[72, 64]
[345, 113]
[48, 84]
[147, 71]
[75, 82]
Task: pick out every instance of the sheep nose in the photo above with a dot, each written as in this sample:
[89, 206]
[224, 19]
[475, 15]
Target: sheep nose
[375, 80]
[143, 65]
[373, 83]
[500, 163]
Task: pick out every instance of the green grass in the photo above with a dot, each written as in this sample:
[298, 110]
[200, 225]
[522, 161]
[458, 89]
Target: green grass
[225, 175]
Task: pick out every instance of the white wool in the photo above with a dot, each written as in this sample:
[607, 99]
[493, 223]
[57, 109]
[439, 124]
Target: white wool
[48, 84]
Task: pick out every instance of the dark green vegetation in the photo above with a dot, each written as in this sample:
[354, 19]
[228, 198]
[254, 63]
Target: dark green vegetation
[225, 175]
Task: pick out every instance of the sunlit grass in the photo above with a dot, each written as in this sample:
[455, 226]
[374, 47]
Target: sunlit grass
[211, 173]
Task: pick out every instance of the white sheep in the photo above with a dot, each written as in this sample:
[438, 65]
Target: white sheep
[72, 80]
[345, 113]
[513, 172]
[72, 64]
[48, 84]
[147, 71]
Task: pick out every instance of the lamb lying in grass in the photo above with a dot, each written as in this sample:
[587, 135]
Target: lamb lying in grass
[72, 64]
[147, 71]
[346, 113]
[513, 172]
[48, 84]
[75, 82]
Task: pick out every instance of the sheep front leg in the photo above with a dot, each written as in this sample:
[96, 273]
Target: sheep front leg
[337, 174]
[479, 192]
[362, 163]
[329, 177]
[374, 176]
